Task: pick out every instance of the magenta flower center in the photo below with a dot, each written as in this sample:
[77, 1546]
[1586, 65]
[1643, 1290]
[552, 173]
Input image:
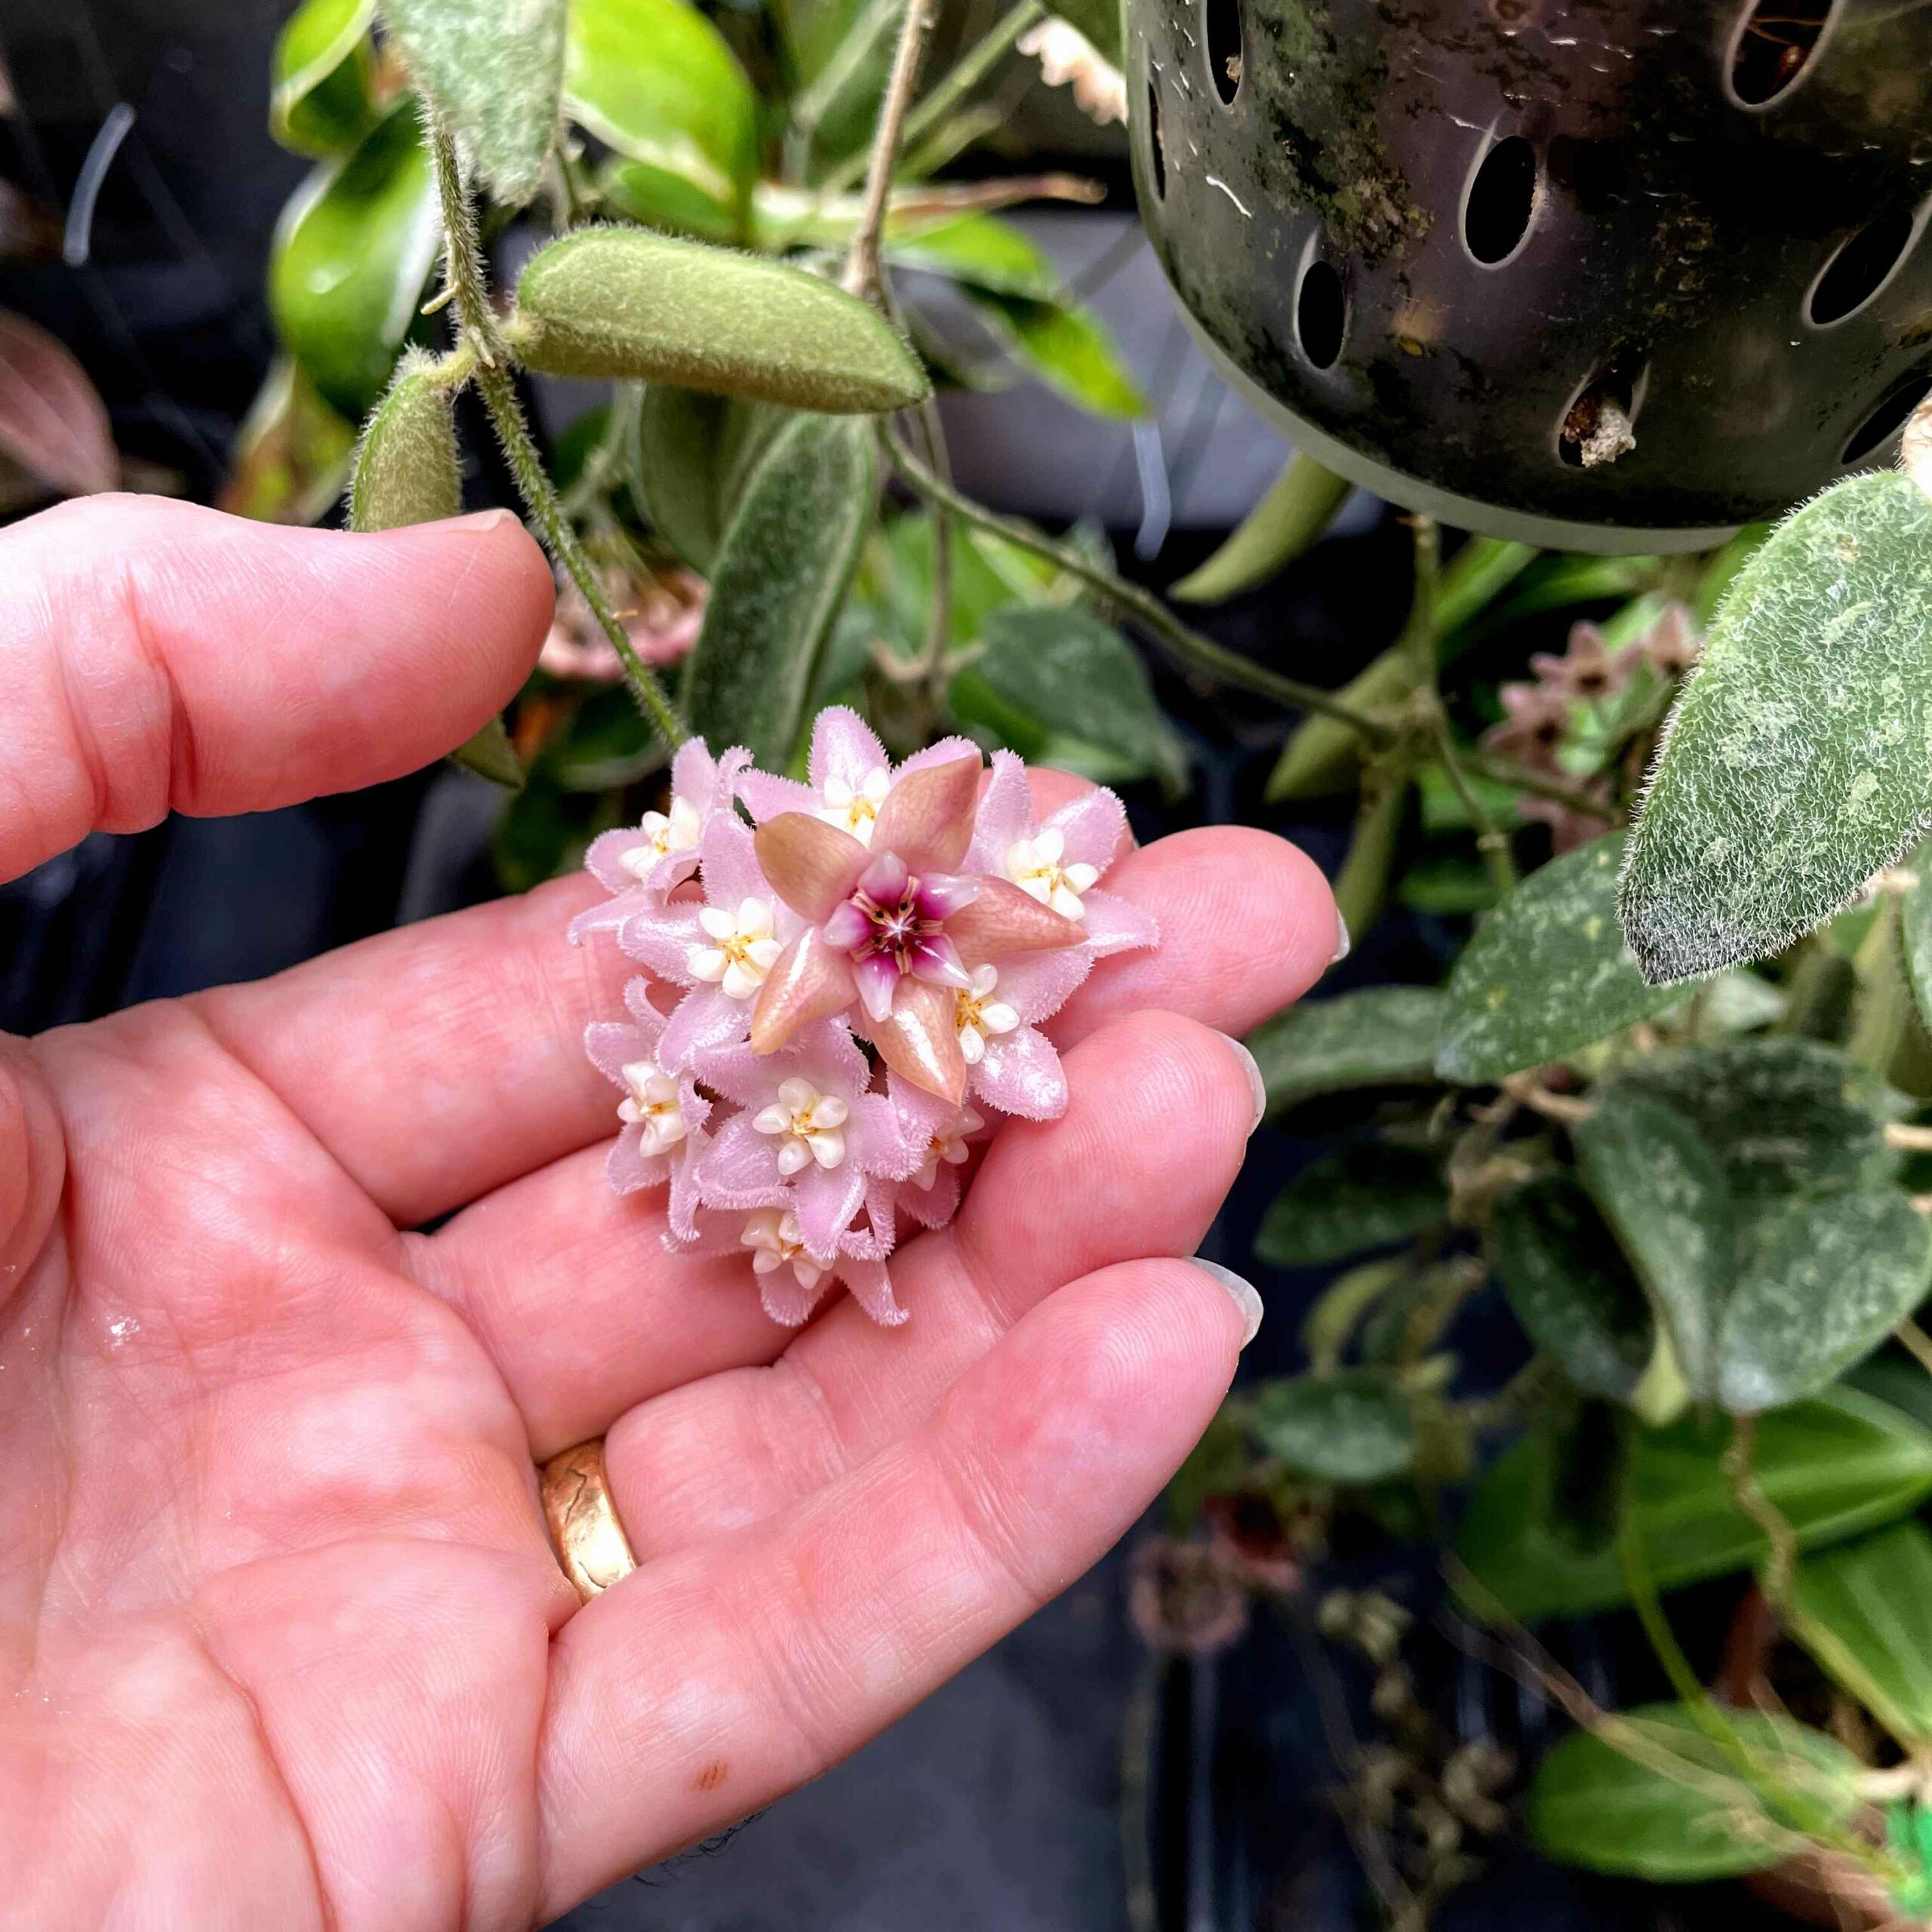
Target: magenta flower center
[893, 925]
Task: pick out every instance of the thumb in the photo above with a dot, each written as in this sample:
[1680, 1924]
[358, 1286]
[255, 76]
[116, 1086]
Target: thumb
[157, 656]
[33, 1163]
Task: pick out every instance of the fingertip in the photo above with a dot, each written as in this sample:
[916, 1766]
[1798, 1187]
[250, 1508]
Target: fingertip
[32, 1163]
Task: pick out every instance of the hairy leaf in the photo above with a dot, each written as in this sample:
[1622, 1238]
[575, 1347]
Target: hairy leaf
[319, 98]
[1066, 347]
[1572, 1291]
[1864, 1611]
[53, 422]
[1383, 1037]
[1834, 1466]
[658, 84]
[780, 576]
[1663, 1189]
[1299, 507]
[1825, 1281]
[1798, 760]
[1915, 933]
[621, 302]
[1547, 973]
[694, 453]
[351, 254]
[493, 69]
[406, 465]
[1370, 1194]
[1654, 1796]
[1352, 1426]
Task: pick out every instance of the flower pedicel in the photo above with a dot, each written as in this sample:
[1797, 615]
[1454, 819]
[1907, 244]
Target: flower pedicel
[922, 912]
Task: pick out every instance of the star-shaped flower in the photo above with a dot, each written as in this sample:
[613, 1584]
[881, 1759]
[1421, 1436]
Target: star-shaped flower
[663, 1115]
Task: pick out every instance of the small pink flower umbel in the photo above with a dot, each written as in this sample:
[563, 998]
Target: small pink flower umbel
[900, 909]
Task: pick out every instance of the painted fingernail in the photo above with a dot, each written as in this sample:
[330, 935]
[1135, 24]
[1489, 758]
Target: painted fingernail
[1257, 1086]
[1240, 1293]
[1341, 952]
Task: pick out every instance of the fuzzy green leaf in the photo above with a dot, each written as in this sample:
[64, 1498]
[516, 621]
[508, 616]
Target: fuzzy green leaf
[622, 302]
[1367, 1195]
[319, 99]
[1825, 1282]
[694, 453]
[1066, 347]
[1864, 1611]
[406, 465]
[1915, 933]
[780, 577]
[1623, 1811]
[1299, 507]
[493, 69]
[658, 84]
[1834, 1466]
[1079, 679]
[1571, 1289]
[1383, 1037]
[1352, 1427]
[1547, 973]
[351, 254]
[1798, 759]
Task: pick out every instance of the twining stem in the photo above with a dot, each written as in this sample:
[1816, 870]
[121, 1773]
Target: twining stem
[1749, 1496]
[1189, 647]
[861, 275]
[1917, 1343]
[481, 332]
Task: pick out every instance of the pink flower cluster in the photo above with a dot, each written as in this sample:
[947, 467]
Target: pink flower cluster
[843, 979]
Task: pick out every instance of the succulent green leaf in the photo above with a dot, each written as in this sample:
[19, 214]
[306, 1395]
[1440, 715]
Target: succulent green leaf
[1352, 1427]
[1066, 347]
[1382, 1036]
[658, 84]
[622, 301]
[1864, 1611]
[1652, 1795]
[1547, 973]
[1369, 1194]
[406, 465]
[694, 454]
[1349, 1301]
[494, 70]
[780, 576]
[1798, 760]
[1571, 1288]
[1825, 1281]
[319, 99]
[351, 254]
[1073, 678]
[1834, 1466]
[1663, 1189]
[1299, 507]
[980, 251]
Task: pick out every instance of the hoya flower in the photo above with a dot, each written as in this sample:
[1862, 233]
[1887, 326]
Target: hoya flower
[663, 1115]
[894, 927]
[1589, 669]
[640, 864]
[980, 1014]
[1059, 863]
[808, 1126]
[1010, 1063]
[722, 946]
[1672, 645]
[1532, 731]
[936, 1135]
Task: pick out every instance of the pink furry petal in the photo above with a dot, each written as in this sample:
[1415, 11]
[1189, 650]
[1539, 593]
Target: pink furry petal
[928, 817]
[827, 1201]
[705, 1019]
[1037, 984]
[1005, 815]
[809, 980]
[845, 748]
[788, 1304]
[660, 938]
[811, 866]
[739, 1168]
[870, 1286]
[767, 796]
[1094, 826]
[629, 1170]
[1113, 924]
[1021, 1074]
[1004, 919]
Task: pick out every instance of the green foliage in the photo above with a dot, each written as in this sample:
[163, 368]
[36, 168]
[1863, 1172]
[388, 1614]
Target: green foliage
[1353, 1426]
[319, 77]
[781, 575]
[1368, 1194]
[1061, 687]
[1864, 1611]
[693, 454]
[406, 465]
[840, 51]
[1915, 933]
[1066, 347]
[1323, 755]
[1547, 973]
[494, 70]
[1383, 1037]
[1299, 507]
[1834, 1466]
[655, 82]
[350, 257]
[622, 302]
[1654, 1795]
[1797, 761]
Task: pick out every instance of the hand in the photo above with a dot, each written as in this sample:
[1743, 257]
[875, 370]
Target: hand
[284, 1641]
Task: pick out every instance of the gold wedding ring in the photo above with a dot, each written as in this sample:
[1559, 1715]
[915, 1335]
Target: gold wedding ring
[585, 1532]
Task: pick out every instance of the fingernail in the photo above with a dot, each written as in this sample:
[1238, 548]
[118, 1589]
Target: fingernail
[1341, 952]
[1241, 1294]
[1257, 1086]
[487, 520]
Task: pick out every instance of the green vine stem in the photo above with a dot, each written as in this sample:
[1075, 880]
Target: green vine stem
[862, 269]
[1188, 646]
[483, 335]
[1748, 1493]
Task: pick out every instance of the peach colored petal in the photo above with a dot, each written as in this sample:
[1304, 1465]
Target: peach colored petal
[928, 817]
[1004, 919]
[809, 980]
[919, 1040]
[811, 866]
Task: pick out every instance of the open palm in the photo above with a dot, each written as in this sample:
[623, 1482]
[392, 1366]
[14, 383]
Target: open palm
[283, 1641]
